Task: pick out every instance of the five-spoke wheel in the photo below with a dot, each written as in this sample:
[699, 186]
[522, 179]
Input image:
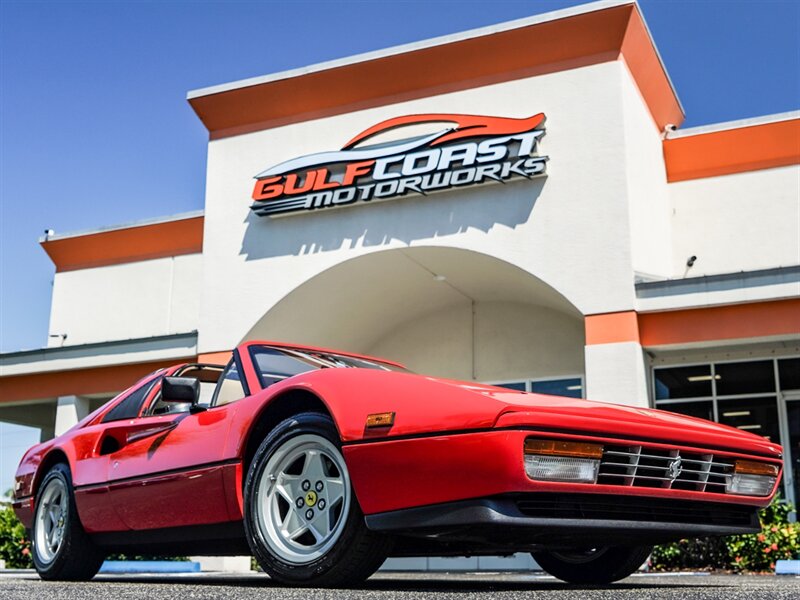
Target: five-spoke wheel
[51, 517]
[61, 548]
[304, 499]
[302, 519]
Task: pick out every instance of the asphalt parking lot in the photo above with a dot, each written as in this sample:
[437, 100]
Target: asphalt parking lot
[26, 585]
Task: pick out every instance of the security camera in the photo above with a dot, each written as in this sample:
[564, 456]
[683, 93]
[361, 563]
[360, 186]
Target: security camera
[668, 128]
[49, 232]
[691, 260]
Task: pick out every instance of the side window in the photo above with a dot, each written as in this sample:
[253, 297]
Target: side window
[229, 386]
[129, 407]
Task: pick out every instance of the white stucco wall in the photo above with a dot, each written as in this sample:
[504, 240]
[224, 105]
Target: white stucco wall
[571, 229]
[648, 197]
[133, 300]
[738, 222]
[508, 341]
[616, 373]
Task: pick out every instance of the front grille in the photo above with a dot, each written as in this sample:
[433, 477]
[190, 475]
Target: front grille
[621, 508]
[643, 466]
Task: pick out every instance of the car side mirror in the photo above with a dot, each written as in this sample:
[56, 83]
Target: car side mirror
[180, 389]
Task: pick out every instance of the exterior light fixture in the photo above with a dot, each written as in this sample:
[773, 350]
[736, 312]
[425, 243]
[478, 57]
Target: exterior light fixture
[553, 460]
[696, 378]
[751, 478]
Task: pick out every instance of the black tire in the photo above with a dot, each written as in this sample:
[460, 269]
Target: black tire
[597, 566]
[356, 554]
[77, 558]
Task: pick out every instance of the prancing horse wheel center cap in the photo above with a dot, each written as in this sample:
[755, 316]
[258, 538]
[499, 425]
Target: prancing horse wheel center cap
[311, 498]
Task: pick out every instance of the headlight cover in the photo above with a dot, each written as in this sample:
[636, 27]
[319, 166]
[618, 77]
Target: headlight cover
[552, 460]
[562, 468]
[750, 485]
[752, 478]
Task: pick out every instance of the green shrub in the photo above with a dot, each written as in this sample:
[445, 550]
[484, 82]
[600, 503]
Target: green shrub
[779, 539]
[15, 547]
[145, 557]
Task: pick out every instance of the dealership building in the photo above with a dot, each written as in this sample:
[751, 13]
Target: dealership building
[516, 205]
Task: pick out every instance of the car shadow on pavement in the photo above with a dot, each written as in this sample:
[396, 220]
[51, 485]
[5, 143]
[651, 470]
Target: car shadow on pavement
[423, 584]
[484, 586]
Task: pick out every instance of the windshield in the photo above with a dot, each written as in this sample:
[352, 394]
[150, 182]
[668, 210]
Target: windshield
[276, 364]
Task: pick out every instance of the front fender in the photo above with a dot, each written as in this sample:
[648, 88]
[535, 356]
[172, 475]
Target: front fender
[421, 404]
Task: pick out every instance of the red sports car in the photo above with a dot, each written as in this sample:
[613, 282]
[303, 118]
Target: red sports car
[323, 463]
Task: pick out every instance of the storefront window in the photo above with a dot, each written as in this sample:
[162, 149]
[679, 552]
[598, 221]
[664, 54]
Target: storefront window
[683, 382]
[789, 373]
[756, 415]
[703, 409]
[519, 386]
[571, 387]
[745, 378]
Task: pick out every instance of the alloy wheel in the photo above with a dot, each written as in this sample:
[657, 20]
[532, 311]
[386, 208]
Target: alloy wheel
[51, 520]
[303, 499]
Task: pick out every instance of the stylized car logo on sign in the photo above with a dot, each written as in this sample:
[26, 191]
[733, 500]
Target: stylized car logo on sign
[674, 469]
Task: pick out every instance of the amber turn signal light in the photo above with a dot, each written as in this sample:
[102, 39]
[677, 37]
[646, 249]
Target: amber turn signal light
[380, 420]
[751, 467]
[558, 448]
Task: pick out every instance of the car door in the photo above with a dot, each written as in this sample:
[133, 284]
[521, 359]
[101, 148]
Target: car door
[173, 475]
[93, 448]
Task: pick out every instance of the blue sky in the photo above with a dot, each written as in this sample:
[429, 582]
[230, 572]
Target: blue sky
[95, 129]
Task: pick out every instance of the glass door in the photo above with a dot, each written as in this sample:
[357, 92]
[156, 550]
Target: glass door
[792, 437]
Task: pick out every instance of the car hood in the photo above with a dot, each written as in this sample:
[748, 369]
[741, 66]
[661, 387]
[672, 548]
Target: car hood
[579, 415]
[426, 405]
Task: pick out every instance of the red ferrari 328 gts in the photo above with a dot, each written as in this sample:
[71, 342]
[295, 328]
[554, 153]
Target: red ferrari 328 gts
[323, 463]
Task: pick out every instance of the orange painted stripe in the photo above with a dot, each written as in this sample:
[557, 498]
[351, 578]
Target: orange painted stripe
[95, 380]
[733, 151]
[131, 244]
[215, 358]
[642, 59]
[738, 321]
[611, 328]
[592, 38]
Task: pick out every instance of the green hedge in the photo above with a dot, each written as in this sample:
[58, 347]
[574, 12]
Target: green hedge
[15, 547]
[779, 539]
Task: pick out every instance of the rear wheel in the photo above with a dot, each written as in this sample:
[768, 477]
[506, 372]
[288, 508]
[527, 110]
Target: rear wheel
[593, 565]
[61, 548]
[302, 518]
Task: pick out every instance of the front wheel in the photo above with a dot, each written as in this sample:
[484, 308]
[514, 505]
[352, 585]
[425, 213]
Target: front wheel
[593, 565]
[62, 550]
[302, 518]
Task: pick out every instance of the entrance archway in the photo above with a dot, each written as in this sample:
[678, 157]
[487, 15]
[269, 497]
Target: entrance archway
[441, 311]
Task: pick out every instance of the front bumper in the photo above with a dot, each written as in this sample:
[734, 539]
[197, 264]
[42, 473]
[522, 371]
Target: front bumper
[395, 474]
[528, 521]
[23, 508]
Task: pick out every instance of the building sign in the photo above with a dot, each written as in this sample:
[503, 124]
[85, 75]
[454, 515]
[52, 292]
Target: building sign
[473, 150]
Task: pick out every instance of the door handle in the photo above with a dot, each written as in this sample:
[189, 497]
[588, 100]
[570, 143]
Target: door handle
[117, 437]
[145, 432]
